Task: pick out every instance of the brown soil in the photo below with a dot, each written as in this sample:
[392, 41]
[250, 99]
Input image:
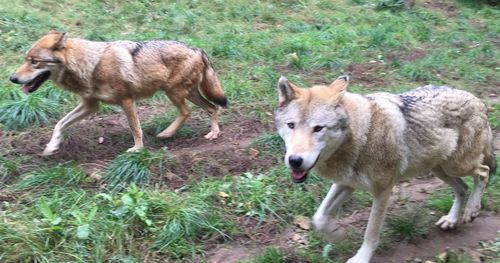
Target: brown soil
[464, 238]
[190, 155]
[370, 75]
[446, 9]
[406, 55]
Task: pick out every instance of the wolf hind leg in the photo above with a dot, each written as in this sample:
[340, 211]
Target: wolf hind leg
[450, 220]
[336, 196]
[130, 109]
[481, 174]
[196, 98]
[179, 100]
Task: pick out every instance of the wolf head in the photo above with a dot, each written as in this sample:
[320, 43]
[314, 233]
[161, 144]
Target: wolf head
[42, 60]
[312, 122]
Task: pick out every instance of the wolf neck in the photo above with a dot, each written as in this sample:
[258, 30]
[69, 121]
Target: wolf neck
[346, 155]
[81, 58]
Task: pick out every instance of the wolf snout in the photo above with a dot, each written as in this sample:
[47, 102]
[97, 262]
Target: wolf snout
[295, 161]
[14, 79]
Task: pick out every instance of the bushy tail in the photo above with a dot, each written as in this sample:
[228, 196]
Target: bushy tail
[491, 162]
[489, 157]
[210, 85]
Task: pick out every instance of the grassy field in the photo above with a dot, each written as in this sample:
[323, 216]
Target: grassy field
[182, 199]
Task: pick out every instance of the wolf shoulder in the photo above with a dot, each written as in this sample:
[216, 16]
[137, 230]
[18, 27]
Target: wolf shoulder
[436, 102]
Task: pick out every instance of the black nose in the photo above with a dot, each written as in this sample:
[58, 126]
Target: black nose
[295, 161]
[14, 79]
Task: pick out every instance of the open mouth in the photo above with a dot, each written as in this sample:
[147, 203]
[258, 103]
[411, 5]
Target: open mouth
[36, 82]
[299, 176]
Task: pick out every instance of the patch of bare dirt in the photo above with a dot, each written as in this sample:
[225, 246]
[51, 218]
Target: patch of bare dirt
[446, 9]
[370, 75]
[99, 139]
[465, 237]
[406, 55]
[229, 255]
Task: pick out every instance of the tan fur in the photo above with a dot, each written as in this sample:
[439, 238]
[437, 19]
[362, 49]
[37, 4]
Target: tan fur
[372, 142]
[122, 72]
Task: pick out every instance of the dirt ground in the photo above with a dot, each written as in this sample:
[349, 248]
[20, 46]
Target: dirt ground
[194, 157]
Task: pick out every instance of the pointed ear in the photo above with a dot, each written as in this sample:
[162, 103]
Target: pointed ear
[287, 91]
[339, 86]
[61, 42]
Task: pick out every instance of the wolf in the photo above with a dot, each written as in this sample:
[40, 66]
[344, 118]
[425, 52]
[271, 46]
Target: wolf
[371, 142]
[121, 72]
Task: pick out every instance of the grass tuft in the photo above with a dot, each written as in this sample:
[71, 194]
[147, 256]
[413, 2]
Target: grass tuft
[131, 167]
[269, 254]
[184, 219]
[409, 225]
[28, 111]
[60, 175]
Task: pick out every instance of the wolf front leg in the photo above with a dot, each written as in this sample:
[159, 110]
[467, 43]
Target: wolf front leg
[333, 200]
[84, 109]
[375, 222]
[130, 110]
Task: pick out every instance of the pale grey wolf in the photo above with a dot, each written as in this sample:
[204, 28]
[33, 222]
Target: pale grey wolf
[371, 142]
[122, 72]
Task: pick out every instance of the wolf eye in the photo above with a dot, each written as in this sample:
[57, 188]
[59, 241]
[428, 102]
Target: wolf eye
[291, 125]
[318, 128]
[34, 62]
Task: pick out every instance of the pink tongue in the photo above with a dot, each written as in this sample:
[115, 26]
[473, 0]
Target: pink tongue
[297, 175]
[26, 89]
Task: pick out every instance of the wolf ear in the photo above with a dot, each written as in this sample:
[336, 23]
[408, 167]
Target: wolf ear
[287, 91]
[61, 42]
[339, 86]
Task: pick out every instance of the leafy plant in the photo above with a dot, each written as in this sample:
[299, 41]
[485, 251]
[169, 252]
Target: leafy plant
[49, 216]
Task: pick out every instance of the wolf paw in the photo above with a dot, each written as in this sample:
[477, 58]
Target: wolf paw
[357, 259]
[135, 149]
[212, 135]
[165, 134]
[447, 223]
[50, 150]
[469, 215]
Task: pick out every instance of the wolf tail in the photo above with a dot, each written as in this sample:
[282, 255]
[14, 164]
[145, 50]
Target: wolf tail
[490, 158]
[210, 85]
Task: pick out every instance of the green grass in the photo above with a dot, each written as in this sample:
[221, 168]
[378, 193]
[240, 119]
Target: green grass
[409, 225]
[27, 111]
[59, 214]
[131, 167]
[269, 254]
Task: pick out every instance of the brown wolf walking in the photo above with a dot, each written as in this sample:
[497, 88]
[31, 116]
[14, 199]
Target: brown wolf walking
[121, 72]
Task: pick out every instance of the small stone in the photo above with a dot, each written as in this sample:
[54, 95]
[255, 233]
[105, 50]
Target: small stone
[253, 152]
[100, 140]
